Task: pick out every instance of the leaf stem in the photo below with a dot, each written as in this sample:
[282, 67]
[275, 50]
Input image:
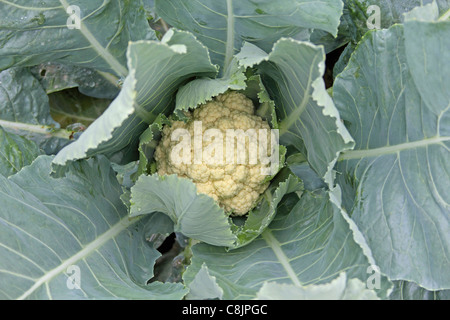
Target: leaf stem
[36, 128]
[120, 226]
[445, 16]
[229, 50]
[109, 77]
[279, 253]
[358, 154]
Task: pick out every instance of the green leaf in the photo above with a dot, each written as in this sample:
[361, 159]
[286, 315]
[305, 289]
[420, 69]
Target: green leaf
[204, 286]
[394, 98]
[198, 216]
[364, 16]
[299, 166]
[25, 110]
[405, 290]
[201, 90]
[340, 288]
[195, 215]
[55, 77]
[28, 32]
[265, 106]
[261, 216]
[147, 145]
[224, 25]
[309, 242]
[361, 16]
[428, 12]
[156, 70]
[16, 152]
[308, 119]
[55, 231]
[23, 98]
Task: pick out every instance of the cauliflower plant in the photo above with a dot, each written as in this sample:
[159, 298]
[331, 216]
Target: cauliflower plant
[235, 186]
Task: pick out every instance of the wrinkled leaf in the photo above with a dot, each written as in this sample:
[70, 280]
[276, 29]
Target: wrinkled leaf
[204, 286]
[198, 216]
[16, 152]
[223, 26]
[91, 34]
[156, 70]
[201, 90]
[310, 241]
[361, 16]
[394, 98]
[194, 215]
[60, 233]
[25, 110]
[405, 290]
[340, 288]
[308, 119]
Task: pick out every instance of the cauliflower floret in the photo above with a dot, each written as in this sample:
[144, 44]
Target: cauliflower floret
[234, 186]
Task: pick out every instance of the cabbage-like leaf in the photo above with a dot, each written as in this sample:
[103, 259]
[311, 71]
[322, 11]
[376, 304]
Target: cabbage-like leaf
[364, 15]
[340, 288]
[394, 99]
[71, 238]
[406, 290]
[23, 98]
[56, 77]
[156, 70]
[299, 166]
[198, 216]
[224, 25]
[194, 215]
[25, 110]
[16, 152]
[88, 33]
[308, 119]
[204, 286]
[360, 16]
[203, 89]
[310, 241]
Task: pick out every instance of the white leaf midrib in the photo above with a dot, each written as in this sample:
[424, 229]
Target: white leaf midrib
[358, 154]
[229, 49]
[93, 246]
[36, 128]
[279, 253]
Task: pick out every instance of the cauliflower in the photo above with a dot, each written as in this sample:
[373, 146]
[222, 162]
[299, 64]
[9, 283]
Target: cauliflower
[234, 185]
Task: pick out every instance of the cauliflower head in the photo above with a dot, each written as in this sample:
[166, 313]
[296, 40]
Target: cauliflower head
[234, 185]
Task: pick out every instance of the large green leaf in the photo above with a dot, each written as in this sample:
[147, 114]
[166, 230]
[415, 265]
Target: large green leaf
[16, 152]
[365, 14]
[58, 233]
[224, 25]
[33, 32]
[198, 216]
[23, 99]
[198, 91]
[310, 241]
[25, 110]
[194, 215]
[405, 290]
[340, 288]
[156, 70]
[394, 98]
[360, 16]
[308, 118]
[56, 77]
